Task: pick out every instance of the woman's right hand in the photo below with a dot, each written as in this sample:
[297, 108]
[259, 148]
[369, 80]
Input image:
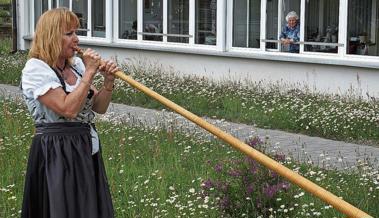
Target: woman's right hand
[91, 60]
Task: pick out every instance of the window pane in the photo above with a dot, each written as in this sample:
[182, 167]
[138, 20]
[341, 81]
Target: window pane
[321, 25]
[206, 22]
[272, 23]
[98, 18]
[39, 8]
[153, 19]
[246, 23]
[80, 9]
[239, 23]
[254, 23]
[128, 19]
[362, 29]
[64, 3]
[178, 14]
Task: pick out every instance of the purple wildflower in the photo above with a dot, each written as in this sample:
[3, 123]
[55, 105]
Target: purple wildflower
[218, 168]
[270, 191]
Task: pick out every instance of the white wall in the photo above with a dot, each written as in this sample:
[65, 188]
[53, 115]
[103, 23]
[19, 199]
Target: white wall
[318, 77]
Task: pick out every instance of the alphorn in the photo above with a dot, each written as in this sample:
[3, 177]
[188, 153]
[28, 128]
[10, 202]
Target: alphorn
[309, 186]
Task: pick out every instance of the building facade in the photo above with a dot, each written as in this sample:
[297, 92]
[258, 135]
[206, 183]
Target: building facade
[233, 39]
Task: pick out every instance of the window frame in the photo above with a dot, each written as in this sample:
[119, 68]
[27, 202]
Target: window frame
[89, 37]
[220, 38]
[224, 38]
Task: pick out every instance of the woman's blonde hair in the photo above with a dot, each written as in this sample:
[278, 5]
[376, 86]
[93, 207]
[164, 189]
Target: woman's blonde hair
[47, 42]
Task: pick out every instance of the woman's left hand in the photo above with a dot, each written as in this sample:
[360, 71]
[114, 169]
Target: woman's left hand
[107, 69]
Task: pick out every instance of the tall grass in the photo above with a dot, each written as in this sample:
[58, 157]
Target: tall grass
[162, 173]
[277, 106]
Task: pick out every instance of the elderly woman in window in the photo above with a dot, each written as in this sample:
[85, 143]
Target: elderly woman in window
[291, 32]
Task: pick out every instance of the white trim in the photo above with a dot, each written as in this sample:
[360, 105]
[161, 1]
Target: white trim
[109, 20]
[191, 20]
[302, 25]
[229, 27]
[221, 25]
[116, 21]
[89, 19]
[139, 19]
[165, 20]
[247, 22]
[280, 27]
[263, 29]
[342, 28]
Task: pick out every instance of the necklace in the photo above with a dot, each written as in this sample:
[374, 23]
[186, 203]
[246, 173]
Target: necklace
[61, 70]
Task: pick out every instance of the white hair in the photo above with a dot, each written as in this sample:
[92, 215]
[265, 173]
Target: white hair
[292, 14]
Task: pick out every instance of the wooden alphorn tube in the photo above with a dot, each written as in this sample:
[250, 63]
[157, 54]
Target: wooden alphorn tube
[309, 186]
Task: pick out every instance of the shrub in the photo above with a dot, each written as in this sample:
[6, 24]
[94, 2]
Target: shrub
[243, 186]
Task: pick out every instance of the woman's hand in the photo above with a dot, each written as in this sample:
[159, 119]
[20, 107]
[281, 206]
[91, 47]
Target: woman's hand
[91, 60]
[286, 41]
[108, 68]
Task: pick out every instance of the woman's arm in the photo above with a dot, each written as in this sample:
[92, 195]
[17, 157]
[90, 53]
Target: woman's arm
[69, 105]
[104, 96]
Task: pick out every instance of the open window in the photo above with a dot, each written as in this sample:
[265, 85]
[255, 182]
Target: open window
[362, 27]
[246, 23]
[321, 26]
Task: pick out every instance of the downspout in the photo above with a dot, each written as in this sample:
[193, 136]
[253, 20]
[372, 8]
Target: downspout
[14, 26]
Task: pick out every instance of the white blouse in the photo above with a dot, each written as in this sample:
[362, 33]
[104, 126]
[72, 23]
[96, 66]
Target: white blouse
[38, 78]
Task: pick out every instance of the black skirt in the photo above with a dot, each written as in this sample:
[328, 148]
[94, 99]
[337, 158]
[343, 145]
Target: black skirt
[63, 179]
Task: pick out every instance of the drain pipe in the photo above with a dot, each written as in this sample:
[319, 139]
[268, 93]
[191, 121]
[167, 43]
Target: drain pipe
[14, 26]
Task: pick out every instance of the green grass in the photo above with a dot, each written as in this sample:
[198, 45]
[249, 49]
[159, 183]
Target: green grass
[276, 106]
[160, 172]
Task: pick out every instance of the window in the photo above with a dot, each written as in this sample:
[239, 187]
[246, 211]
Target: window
[272, 23]
[153, 20]
[64, 3]
[178, 20]
[39, 8]
[80, 8]
[98, 18]
[206, 22]
[246, 23]
[321, 26]
[128, 19]
[362, 27]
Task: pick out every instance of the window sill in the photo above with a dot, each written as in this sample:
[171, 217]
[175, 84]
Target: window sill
[312, 58]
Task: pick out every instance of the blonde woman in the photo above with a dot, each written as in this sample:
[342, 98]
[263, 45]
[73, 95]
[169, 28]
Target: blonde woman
[65, 175]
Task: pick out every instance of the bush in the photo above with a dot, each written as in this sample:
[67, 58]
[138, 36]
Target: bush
[246, 187]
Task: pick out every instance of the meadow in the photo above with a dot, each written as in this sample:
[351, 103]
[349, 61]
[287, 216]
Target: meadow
[161, 172]
[164, 172]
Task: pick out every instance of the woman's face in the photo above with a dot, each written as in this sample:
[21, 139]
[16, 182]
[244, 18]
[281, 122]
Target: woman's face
[69, 44]
[291, 22]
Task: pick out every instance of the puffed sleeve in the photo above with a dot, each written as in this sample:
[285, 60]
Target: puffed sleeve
[79, 65]
[38, 78]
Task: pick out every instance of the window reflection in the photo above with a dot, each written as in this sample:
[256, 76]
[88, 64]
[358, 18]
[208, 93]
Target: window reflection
[321, 25]
[153, 19]
[206, 25]
[178, 14]
[98, 18]
[362, 28]
[272, 23]
[80, 8]
[64, 3]
[39, 8]
[246, 23]
[128, 19]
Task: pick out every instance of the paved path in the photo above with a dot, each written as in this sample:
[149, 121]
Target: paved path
[322, 152]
